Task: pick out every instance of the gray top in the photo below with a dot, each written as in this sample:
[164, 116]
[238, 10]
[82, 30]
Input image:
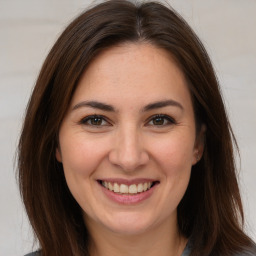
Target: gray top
[249, 252]
[186, 251]
[33, 254]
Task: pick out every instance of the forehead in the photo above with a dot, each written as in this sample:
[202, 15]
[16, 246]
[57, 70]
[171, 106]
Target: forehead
[136, 71]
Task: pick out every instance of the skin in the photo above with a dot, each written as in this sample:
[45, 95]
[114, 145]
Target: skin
[128, 143]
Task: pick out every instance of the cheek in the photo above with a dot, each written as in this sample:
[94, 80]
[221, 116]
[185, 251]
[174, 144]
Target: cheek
[174, 157]
[81, 157]
[174, 153]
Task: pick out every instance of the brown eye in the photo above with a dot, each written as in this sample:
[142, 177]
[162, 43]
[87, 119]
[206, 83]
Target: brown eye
[94, 121]
[161, 120]
[158, 121]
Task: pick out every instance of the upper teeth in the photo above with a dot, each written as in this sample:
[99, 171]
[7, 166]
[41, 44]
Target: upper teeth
[125, 189]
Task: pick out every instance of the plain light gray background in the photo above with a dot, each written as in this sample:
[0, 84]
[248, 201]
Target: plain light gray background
[28, 28]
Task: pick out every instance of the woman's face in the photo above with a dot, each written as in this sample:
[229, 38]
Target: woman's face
[128, 141]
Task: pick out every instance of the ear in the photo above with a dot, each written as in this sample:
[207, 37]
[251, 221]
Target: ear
[199, 145]
[58, 155]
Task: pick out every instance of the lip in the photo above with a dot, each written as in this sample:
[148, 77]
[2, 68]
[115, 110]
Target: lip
[128, 199]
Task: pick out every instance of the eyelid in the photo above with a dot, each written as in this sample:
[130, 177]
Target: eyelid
[84, 120]
[89, 117]
[170, 119]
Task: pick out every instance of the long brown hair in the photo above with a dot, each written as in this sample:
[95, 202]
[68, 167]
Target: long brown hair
[210, 214]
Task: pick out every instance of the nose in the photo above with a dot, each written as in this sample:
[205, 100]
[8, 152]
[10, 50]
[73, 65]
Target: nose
[127, 151]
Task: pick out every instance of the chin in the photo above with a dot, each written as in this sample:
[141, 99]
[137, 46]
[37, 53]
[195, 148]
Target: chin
[129, 224]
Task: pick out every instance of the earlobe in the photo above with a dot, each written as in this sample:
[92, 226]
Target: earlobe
[199, 145]
[196, 157]
[58, 155]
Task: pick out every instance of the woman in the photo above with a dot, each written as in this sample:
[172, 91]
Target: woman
[126, 148]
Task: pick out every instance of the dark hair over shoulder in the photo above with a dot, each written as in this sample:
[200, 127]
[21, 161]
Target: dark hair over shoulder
[211, 211]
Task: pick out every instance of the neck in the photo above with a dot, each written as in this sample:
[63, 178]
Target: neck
[164, 240]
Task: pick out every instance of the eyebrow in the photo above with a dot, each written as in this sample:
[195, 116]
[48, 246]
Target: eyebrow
[95, 104]
[110, 108]
[161, 104]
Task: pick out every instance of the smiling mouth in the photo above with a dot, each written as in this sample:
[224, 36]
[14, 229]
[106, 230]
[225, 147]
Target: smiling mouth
[124, 189]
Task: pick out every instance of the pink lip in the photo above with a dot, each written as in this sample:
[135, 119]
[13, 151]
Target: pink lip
[128, 199]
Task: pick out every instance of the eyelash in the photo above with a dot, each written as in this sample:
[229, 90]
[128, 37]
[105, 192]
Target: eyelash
[169, 119]
[85, 120]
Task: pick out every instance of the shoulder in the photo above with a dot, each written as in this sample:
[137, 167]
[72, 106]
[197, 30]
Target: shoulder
[251, 251]
[246, 253]
[33, 254]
